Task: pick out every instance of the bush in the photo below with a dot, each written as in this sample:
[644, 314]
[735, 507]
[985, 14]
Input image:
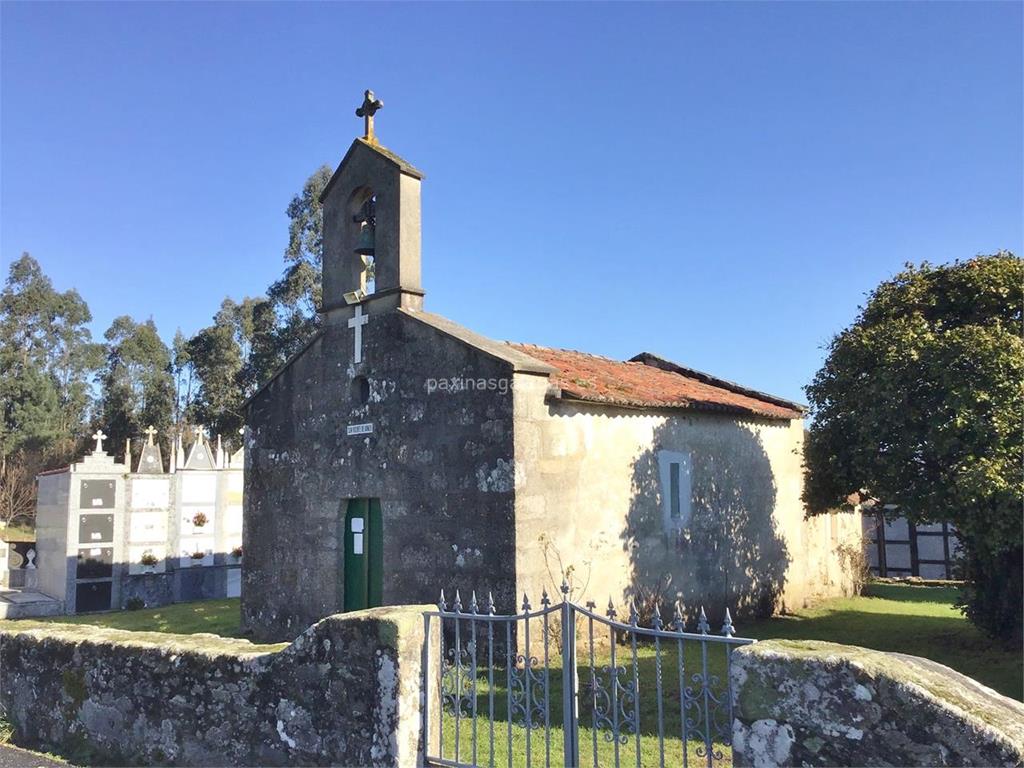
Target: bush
[992, 589]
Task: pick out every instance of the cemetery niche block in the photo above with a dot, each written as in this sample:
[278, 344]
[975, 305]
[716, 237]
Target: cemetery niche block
[109, 536]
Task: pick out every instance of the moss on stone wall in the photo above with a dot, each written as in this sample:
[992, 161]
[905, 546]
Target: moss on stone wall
[819, 703]
[146, 698]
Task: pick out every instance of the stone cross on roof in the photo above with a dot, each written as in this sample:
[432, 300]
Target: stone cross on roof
[369, 108]
[200, 431]
[99, 437]
[150, 433]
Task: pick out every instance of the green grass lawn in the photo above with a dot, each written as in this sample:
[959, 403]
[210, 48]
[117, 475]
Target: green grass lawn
[17, 532]
[219, 617]
[657, 670]
[920, 621]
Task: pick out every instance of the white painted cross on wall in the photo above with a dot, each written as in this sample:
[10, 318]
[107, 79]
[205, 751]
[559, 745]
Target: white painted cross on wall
[357, 323]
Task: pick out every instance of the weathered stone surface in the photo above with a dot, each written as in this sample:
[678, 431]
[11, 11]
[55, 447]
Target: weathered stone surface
[345, 692]
[815, 703]
[438, 460]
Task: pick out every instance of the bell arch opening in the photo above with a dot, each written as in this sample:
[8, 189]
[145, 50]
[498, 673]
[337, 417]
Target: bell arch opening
[363, 210]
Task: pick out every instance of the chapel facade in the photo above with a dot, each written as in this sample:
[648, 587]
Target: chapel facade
[399, 453]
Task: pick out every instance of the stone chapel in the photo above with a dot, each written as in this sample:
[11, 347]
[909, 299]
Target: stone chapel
[399, 453]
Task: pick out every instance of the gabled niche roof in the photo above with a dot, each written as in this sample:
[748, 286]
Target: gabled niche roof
[400, 163]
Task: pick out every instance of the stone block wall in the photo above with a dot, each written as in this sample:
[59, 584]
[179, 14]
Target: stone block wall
[808, 703]
[345, 692]
[439, 461]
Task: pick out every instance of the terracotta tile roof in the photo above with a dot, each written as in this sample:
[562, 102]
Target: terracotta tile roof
[650, 382]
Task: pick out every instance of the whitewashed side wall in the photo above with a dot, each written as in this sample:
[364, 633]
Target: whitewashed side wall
[590, 487]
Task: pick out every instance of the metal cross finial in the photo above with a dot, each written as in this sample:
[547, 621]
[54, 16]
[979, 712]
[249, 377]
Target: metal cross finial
[99, 437]
[150, 433]
[369, 108]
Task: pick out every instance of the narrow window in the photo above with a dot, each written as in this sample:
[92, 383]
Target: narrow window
[674, 468]
[673, 482]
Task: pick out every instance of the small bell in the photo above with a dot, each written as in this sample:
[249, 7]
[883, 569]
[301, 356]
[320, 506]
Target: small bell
[365, 244]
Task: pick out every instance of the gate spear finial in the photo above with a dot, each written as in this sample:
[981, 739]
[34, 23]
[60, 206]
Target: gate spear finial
[677, 619]
[727, 628]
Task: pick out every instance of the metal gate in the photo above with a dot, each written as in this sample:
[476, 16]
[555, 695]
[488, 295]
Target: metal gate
[565, 685]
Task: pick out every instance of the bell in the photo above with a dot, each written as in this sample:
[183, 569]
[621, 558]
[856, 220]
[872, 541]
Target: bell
[365, 244]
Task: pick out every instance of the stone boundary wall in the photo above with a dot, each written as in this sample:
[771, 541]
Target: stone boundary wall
[345, 692]
[808, 703]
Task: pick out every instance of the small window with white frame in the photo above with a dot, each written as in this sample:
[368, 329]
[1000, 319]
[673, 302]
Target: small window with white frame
[676, 504]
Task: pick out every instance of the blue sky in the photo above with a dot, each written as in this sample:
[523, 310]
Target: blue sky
[716, 183]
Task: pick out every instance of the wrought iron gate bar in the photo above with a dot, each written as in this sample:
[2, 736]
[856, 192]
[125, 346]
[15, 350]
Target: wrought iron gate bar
[611, 693]
[651, 632]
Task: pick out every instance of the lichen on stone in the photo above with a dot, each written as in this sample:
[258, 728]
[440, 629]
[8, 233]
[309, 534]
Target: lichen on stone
[853, 706]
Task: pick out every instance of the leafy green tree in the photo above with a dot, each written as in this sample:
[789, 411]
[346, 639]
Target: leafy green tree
[47, 358]
[267, 350]
[919, 405]
[295, 297]
[183, 373]
[217, 354]
[137, 383]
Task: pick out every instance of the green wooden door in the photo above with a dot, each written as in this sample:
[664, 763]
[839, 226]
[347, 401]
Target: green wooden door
[364, 555]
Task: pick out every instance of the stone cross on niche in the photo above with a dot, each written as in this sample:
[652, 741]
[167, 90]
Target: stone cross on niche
[99, 437]
[369, 108]
[150, 434]
[357, 324]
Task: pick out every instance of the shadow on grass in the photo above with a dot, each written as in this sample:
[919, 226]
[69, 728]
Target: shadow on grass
[658, 710]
